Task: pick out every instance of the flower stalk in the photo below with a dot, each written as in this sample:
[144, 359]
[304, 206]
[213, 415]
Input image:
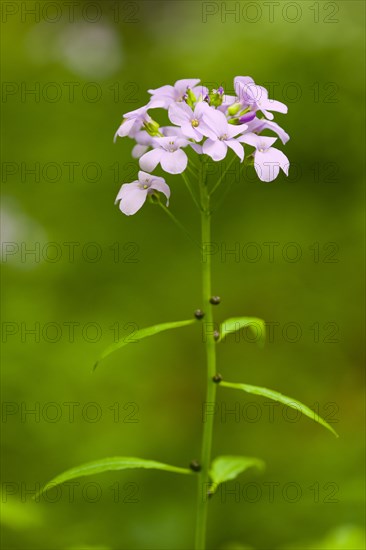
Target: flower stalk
[203, 481]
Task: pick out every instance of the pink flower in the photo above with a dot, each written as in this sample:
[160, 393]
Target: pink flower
[190, 121]
[168, 154]
[132, 122]
[267, 159]
[132, 196]
[223, 136]
[256, 97]
[166, 95]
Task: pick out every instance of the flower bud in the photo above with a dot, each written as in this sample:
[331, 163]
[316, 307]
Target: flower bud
[216, 97]
[199, 314]
[215, 300]
[152, 128]
[248, 117]
[234, 109]
[216, 335]
[217, 378]
[190, 98]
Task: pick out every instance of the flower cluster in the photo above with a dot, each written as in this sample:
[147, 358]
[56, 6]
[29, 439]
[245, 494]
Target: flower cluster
[209, 122]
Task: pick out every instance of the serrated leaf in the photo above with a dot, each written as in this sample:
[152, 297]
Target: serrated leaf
[224, 468]
[234, 324]
[276, 396]
[111, 464]
[143, 333]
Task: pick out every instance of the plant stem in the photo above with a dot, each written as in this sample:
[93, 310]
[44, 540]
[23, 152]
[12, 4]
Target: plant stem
[222, 175]
[203, 482]
[179, 224]
[188, 185]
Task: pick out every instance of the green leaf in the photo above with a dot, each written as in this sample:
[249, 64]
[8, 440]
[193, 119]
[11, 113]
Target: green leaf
[143, 333]
[224, 468]
[109, 464]
[235, 324]
[276, 396]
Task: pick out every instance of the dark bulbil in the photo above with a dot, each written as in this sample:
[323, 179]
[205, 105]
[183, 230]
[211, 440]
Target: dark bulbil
[199, 314]
[195, 466]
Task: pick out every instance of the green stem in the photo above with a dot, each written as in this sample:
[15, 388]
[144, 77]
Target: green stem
[188, 185]
[203, 482]
[223, 175]
[180, 225]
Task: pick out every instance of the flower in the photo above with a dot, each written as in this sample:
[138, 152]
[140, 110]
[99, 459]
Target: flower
[167, 152]
[207, 121]
[267, 159]
[132, 122]
[190, 121]
[223, 136]
[256, 97]
[132, 196]
[166, 95]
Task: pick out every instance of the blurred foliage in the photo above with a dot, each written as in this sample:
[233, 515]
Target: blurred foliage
[321, 202]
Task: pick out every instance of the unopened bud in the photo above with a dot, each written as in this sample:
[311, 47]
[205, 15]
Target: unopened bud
[216, 97]
[234, 109]
[216, 335]
[152, 128]
[189, 97]
[217, 378]
[215, 300]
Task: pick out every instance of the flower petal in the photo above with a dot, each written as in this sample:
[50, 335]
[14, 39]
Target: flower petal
[163, 90]
[125, 189]
[267, 170]
[279, 157]
[215, 149]
[175, 162]
[190, 132]
[179, 113]
[150, 160]
[233, 129]
[250, 138]
[138, 150]
[125, 127]
[159, 185]
[216, 121]
[182, 85]
[132, 200]
[236, 147]
[257, 125]
[274, 105]
[197, 148]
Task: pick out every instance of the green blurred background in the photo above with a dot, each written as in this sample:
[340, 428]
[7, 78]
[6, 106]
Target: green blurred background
[109, 54]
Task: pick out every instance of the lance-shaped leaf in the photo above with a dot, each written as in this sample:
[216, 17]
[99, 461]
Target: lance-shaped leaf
[111, 464]
[276, 396]
[224, 468]
[235, 324]
[143, 333]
